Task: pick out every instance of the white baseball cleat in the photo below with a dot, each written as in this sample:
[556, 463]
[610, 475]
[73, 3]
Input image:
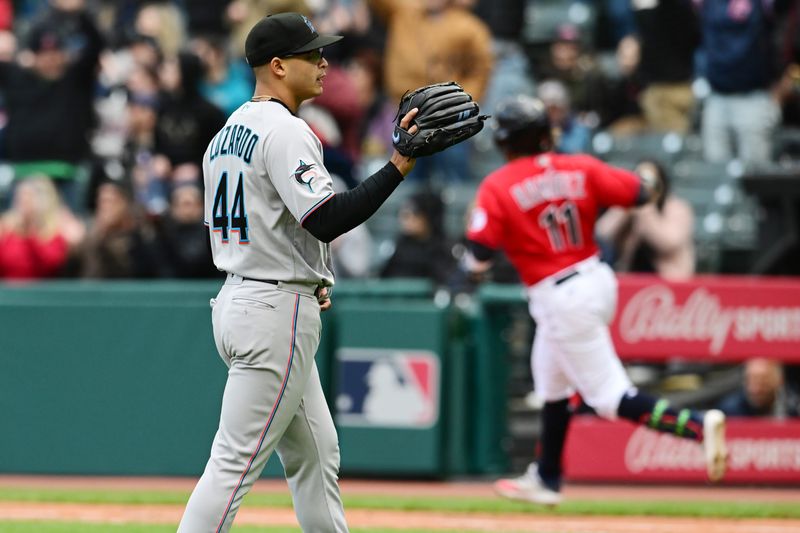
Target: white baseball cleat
[528, 487]
[714, 444]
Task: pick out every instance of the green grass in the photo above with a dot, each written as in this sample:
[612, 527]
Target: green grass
[723, 509]
[101, 496]
[60, 527]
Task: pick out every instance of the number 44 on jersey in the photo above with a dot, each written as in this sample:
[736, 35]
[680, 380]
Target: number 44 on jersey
[224, 222]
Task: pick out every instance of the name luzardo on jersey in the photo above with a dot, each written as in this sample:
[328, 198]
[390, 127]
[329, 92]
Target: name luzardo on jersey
[234, 140]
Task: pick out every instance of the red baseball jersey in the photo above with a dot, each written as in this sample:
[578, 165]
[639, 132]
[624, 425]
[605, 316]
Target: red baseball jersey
[541, 210]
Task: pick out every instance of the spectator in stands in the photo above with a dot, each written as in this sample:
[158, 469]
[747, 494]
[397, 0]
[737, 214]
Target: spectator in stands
[6, 14]
[148, 171]
[621, 113]
[243, 15]
[658, 237]
[366, 72]
[203, 17]
[421, 250]
[787, 90]
[510, 76]
[740, 68]
[37, 233]
[325, 127]
[145, 51]
[573, 66]
[615, 22]
[8, 46]
[227, 84]
[762, 392]
[8, 50]
[352, 252]
[435, 41]
[669, 35]
[182, 238]
[164, 22]
[49, 99]
[116, 245]
[341, 99]
[342, 17]
[186, 120]
[570, 134]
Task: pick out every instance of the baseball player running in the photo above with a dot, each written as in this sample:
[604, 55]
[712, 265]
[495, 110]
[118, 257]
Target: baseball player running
[540, 208]
[272, 212]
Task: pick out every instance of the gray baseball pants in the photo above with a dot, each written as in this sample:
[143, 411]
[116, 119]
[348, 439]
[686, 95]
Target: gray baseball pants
[268, 335]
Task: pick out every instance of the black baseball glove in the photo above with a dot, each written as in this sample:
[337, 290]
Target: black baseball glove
[447, 115]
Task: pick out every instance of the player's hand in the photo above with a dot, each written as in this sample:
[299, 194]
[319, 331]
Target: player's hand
[324, 299]
[405, 164]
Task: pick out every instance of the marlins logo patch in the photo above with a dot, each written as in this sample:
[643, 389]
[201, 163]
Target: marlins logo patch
[309, 24]
[303, 174]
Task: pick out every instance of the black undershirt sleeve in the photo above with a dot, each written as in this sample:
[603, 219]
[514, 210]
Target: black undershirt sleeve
[348, 209]
[479, 251]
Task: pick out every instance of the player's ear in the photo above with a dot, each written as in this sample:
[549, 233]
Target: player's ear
[278, 67]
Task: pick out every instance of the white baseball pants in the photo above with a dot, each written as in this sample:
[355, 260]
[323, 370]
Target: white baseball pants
[572, 348]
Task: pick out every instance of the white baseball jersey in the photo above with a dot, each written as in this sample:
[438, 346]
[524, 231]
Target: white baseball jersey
[263, 176]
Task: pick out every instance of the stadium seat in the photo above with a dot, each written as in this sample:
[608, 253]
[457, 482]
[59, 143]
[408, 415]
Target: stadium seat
[786, 145]
[543, 17]
[627, 150]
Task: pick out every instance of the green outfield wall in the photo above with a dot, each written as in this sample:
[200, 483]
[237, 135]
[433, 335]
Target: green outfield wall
[123, 378]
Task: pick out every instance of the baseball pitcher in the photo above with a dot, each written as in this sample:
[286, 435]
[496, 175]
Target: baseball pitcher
[271, 212]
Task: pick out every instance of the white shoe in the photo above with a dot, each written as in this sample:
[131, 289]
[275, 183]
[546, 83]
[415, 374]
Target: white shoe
[714, 444]
[528, 487]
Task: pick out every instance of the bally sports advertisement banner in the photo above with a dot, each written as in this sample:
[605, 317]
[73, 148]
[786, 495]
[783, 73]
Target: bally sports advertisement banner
[721, 318]
[761, 451]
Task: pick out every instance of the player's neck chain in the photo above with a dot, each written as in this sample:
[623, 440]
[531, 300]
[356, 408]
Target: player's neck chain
[267, 98]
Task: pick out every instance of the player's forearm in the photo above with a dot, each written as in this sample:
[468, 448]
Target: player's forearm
[477, 261]
[612, 223]
[347, 210]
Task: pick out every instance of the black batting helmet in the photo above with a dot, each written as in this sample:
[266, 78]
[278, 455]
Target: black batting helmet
[521, 125]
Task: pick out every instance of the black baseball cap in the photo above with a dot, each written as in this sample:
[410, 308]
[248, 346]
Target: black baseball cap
[283, 34]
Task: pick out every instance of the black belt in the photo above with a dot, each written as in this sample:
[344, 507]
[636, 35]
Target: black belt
[565, 277]
[270, 281]
[276, 282]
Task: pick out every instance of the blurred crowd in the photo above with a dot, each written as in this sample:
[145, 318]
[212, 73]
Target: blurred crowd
[106, 109]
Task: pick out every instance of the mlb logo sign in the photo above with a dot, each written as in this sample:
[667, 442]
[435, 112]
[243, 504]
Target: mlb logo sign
[387, 388]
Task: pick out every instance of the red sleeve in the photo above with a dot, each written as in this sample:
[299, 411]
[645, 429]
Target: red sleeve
[612, 185]
[486, 219]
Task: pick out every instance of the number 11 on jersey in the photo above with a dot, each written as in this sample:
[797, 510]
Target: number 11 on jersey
[225, 222]
[562, 221]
